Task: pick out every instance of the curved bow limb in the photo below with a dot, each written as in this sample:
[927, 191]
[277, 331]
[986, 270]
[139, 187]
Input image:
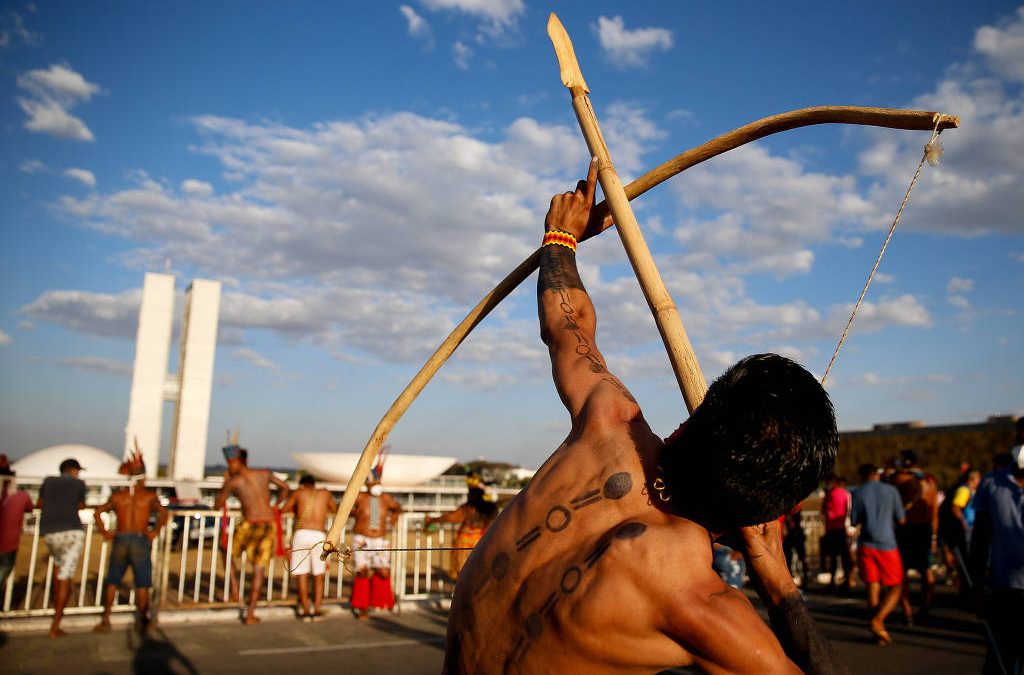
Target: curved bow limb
[892, 118]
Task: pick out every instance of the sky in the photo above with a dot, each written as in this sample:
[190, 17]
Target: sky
[359, 175]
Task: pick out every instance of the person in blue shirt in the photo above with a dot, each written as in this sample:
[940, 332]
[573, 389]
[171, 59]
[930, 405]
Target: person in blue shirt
[877, 509]
[997, 547]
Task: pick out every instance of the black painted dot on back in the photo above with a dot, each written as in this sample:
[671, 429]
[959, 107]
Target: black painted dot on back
[630, 531]
[618, 485]
[499, 566]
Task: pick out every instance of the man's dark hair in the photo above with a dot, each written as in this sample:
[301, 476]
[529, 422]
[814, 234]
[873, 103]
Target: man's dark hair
[866, 471]
[68, 465]
[1018, 428]
[762, 440]
[477, 498]
[908, 458]
[307, 480]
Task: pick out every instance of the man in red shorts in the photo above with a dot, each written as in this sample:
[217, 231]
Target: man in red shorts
[877, 509]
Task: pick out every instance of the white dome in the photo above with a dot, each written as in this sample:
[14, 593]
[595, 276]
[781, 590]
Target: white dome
[399, 470]
[96, 463]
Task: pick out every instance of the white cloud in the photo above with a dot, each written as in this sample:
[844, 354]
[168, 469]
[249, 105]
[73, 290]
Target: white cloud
[255, 358]
[769, 210]
[627, 48]
[26, 325]
[960, 285]
[13, 31]
[978, 187]
[32, 166]
[197, 188]
[83, 176]
[478, 378]
[1003, 46]
[102, 314]
[461, 54]
[904, 310]
[5, 339]
[496, 15]
[417, 25]
[95, 364]
[872, 379]
[959, 301]
[629, 133]
[50, 94]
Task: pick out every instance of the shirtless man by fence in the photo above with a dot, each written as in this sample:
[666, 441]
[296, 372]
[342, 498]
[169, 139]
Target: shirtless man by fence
[310, 506]
[256, 533]
[133, 542]
[375, 512]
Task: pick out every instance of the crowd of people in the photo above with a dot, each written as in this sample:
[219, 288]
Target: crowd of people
[258, 534]
[896, 525]
[899, 524]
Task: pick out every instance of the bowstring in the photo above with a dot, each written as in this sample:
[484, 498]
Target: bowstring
[344, 556]
[932, 153]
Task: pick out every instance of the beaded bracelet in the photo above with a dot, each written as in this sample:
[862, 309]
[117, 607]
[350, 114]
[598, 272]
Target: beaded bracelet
[560, 238]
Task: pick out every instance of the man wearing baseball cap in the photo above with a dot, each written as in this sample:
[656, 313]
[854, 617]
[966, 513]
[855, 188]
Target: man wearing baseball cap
[60, 499]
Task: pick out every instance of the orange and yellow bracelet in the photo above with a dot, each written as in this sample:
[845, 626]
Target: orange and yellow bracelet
[559, 238]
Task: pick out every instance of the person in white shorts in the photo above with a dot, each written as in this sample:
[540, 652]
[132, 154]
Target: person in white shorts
[60, 499]
[310, 506]
[371, 553]
[375, 512]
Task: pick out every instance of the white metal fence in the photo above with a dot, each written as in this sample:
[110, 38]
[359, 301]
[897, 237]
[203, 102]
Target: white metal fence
[193, 568]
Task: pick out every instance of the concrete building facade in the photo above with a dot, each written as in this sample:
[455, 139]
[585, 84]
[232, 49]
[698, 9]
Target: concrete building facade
[190, 388]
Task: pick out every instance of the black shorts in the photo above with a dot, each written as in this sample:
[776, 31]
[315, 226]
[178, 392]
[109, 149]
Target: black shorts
[833, 543]
[915, 544]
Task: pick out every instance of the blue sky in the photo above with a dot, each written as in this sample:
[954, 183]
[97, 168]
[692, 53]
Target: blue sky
[359, 175]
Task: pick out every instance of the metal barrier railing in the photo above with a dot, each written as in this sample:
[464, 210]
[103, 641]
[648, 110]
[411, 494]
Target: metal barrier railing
[193, 568]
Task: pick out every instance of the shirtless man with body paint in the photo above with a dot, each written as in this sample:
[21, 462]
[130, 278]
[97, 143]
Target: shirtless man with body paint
[603, 563]
[375, 513]
[256, 532]
[133, 540]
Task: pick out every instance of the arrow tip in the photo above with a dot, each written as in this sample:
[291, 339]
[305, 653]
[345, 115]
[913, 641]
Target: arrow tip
[566, 55]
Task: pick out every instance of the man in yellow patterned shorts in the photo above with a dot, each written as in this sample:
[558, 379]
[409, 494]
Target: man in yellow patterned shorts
[256, 533]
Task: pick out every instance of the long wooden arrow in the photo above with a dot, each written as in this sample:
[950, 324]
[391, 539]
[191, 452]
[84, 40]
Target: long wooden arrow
[666, 316]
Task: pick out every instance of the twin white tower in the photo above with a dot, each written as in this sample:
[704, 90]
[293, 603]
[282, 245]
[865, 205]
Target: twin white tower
[190, 388]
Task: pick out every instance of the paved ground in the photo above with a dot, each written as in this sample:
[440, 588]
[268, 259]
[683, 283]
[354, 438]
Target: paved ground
[412, 643]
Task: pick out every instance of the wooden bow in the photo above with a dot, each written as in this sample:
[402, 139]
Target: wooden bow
[892, 118]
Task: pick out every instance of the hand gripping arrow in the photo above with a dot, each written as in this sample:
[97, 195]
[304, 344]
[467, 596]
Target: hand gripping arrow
[666, 316]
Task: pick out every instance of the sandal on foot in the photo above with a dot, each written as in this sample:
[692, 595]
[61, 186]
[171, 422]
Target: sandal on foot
[881, 637]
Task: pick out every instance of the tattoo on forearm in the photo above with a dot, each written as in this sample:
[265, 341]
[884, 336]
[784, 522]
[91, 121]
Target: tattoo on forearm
[558, 270]
[583, 347]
